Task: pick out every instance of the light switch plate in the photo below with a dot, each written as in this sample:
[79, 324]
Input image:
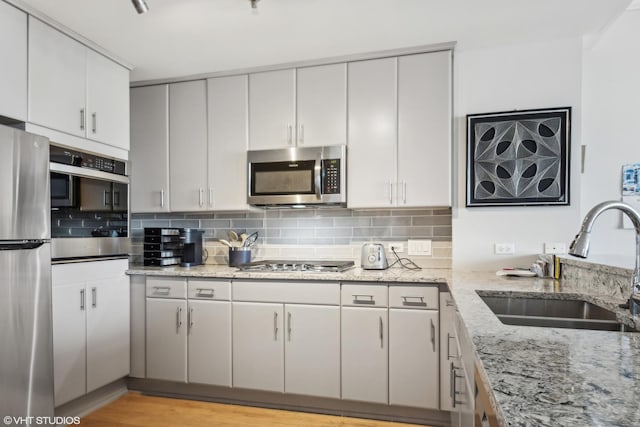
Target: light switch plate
[504, 248]
[419, 247]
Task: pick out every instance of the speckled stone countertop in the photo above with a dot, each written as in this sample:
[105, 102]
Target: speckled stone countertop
[538, 376]
[551, 376]
[356, 274]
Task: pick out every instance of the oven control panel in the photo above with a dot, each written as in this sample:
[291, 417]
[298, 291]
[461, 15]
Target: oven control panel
[81, 159]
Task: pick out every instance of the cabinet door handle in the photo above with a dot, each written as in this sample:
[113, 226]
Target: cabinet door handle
[364, 299]
[190, 318]
[82, 300]
[390, 192]
[301, 134]
[105, 198]
[94, 122]
[275, 326]
[289, 325]
[449, 337]
[200, 197]
[94, 297]
[452, 384]
[210, 197]
[413, 301]
[82, 119]
[161, 290]
[162, 198]
[381, 327]
[178, 319]
[404, 192]
[205, 293]
[433, 335]
[289, 134]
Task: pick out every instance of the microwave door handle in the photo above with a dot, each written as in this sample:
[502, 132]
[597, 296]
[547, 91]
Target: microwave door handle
[317, 173]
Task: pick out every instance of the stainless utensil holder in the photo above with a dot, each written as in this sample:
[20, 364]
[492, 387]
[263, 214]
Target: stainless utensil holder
[239, 256]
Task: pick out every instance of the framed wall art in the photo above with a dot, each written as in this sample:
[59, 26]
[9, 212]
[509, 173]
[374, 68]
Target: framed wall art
[519, 158]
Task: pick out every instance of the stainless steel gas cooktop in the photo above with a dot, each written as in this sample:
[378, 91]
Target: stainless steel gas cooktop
[287, 266]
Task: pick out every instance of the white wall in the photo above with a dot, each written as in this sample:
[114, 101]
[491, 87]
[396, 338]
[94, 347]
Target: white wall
[536, 75]
[611, 132]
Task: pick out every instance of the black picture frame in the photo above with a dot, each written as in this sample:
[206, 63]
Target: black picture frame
[519, 158]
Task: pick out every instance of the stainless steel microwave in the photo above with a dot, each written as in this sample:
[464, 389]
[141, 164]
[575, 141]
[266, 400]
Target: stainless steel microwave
[298, 176]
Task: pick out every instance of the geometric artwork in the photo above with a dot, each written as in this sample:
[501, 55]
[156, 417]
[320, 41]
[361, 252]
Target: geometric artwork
[519, 158]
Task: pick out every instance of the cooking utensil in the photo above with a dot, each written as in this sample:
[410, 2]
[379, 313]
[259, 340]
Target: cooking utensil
[233, 236]
[226, 243]
[250, 240]
[243, 237]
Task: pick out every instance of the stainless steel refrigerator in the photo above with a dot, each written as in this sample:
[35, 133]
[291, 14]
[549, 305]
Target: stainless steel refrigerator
[26, 348]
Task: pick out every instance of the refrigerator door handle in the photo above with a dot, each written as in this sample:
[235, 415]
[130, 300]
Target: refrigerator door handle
[16, 245]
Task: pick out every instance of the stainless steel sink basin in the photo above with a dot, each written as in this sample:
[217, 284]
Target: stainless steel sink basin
[553, 313]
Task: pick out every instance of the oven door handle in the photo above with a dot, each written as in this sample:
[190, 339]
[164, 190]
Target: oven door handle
[317, 176]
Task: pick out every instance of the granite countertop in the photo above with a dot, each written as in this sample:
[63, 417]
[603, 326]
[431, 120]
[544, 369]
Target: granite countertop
[551, 376]
[357, 274]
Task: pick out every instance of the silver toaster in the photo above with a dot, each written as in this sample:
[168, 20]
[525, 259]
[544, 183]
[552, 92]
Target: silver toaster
[373, 257]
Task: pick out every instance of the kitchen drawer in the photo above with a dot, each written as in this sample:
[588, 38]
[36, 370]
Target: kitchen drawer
[166, 287]
[365, 295]
[417, 297]
[209, 289]
[327, 293]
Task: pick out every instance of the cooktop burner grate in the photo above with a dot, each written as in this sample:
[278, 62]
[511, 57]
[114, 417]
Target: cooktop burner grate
[287, 266]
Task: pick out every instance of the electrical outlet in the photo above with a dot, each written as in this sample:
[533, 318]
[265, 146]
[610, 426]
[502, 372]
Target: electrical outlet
[504, 248]
[398, 246]
[555, 248]
[419, 247]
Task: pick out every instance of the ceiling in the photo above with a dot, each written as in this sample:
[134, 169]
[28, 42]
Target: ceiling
[185, 37]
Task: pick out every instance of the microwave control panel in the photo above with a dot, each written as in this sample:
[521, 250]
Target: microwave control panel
[331, 176]
[86, 160]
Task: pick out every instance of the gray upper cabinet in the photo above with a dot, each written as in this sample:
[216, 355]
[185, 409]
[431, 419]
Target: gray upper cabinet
[188, 145]
[75, 90]
[298, 107]
[228, 116]
[400, 131]
[57, 80]
[321, 105]
[424, 129]
[149, 155]
[272, 109]
[13, 73]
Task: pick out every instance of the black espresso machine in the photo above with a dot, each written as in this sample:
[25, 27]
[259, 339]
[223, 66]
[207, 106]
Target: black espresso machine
[171, 246]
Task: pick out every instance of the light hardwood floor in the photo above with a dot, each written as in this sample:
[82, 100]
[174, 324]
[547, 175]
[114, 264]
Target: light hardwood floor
[137, 410]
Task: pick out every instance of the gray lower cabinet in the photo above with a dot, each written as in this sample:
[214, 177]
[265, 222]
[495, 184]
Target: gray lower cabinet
[365, 354]
[258, 353]
[292, 348]
[167, 339]
[188, 330]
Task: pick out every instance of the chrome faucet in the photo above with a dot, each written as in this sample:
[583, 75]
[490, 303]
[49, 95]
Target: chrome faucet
[580, 245]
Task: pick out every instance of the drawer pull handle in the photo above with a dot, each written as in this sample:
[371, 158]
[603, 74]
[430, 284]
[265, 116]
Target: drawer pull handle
[364, 299]
[205, 293]
[161, 290]
[413, 301]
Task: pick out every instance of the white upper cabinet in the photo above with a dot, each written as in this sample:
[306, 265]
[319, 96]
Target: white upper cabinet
[13, 73]
[228, 116]
[107, 101]
[57, 80]
[321, 105]
[298, 107]
[424, 129]
[188, 145]
[75, 90]
[372, 133]
[149, 156]
[272, 112]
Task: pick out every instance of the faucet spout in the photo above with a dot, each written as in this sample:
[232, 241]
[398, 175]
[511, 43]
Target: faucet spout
[580, 245]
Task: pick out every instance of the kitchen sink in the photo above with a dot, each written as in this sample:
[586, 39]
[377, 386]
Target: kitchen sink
[553, 313]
